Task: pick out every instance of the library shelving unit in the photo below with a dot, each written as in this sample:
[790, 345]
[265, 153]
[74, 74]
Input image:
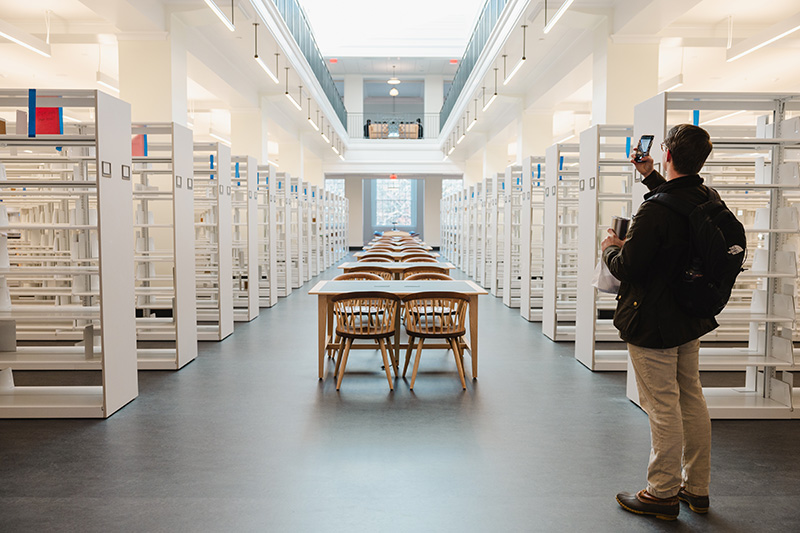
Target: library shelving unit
[480, 268]
[754, 166]
[532, 232]
[163, 203]
[341, 218]
[295, 223]
[314, 206]
[213, 240]
[495, 214]
[449, 226]
[326, 235]
[267, 237]
[560, 242]
[304, 195]
[509, 282]
[244, 204]
[604, 190]
[279, 187]
[66, 254]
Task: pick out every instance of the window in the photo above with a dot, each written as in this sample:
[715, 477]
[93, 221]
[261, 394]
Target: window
[394, 205]
[335, 185]
[450, 186]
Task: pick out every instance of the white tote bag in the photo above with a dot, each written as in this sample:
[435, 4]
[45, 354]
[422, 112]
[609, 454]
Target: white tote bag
[603, 280]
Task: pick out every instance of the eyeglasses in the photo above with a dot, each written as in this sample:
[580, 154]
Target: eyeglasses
[664, 146]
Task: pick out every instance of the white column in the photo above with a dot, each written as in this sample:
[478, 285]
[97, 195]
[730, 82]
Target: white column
[534, 134]
[354, 103]
[290, 158]
[248, 136]
[434, 98]
[473, 169]
[432, 218]
[495, 158]
[312, 168]
[353, 192]
[153, 76]
[623, 75]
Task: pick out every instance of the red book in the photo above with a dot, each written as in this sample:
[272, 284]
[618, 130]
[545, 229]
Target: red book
[49, 121]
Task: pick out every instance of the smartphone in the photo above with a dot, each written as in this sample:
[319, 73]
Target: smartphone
[643, 149]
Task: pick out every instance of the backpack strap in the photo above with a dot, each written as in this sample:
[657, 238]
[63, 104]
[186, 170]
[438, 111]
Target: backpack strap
[678, 204]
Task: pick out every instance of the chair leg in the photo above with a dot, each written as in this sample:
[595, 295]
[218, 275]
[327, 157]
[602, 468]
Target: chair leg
[386, 363]
[459, 365]
[416, 363]
[338, 359]
[389, 343]
[344, 363]
[408, 353]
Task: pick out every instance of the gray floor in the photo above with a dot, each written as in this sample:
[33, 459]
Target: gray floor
[246, 439]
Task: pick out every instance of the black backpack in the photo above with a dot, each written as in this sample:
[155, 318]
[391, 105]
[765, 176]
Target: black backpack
[718, 250]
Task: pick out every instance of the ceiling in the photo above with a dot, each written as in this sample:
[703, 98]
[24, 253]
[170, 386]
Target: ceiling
[384, 28]
[405, 67]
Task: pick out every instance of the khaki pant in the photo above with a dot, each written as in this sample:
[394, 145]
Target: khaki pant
[680, 429]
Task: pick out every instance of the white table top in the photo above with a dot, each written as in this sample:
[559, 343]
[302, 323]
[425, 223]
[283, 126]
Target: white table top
[398, 287]
[396, 266]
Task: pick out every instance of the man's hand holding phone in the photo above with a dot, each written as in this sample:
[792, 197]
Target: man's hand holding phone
[641, 155]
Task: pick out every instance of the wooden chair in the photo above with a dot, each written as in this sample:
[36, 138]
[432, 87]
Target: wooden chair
[427, 275]
[418, 258]
[383, 273]
[376, 260]
[365, 315]
[425, 270]
[358, 276]
[371, 256]
[435, 315]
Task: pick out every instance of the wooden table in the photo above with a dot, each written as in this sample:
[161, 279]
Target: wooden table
[398, 256]
[329, 288]
[400, 247]
[397, 268]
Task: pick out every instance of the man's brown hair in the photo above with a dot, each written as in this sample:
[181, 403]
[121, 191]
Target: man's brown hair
[690, 146]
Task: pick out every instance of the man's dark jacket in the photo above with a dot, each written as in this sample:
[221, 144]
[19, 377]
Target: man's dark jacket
[655, 253]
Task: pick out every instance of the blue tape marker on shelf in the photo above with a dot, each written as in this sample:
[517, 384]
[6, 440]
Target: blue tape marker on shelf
[627, 146]
[145, 144]
[561, 163]
[31, 112]
[539, 171]
[211, 161]
[61, 120]
[237, 171]
[696, 117]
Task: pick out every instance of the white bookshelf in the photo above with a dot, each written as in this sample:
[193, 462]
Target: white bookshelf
[267, 237]
[66, 256]
[304, 194]
[510, 281]
[283, 233]
[532, 232]
[295, 223]
[244, 223]
[163, 206]
[604, 190]
[317, 231]
[754, 168]
[495, 214]
[213, 240]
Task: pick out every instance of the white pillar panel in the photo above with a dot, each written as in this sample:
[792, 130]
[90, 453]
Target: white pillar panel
[534, 134]
[434, 93]
[153, 76]
[353, 192]
[312, 169]
[623, 75]
[495, 158]
[431, 220]
[354, 93]
[473, 172]
[290, 157]
[247, 134]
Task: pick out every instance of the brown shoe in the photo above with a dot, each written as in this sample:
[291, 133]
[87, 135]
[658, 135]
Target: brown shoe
[698, 504]
[645, 504]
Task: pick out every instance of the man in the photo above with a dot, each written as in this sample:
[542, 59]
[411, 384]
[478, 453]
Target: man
[662, 339]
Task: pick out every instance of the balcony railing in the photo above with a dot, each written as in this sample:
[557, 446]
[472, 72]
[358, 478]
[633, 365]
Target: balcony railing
[296, 20]
[480, 35]
[393, 125]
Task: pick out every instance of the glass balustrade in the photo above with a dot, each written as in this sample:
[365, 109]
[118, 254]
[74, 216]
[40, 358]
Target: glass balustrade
[298, 25]
[490, 14]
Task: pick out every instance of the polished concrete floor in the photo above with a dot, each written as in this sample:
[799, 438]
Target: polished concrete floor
[246, 438]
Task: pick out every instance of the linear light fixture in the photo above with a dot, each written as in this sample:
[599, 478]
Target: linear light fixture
[474, 120]
[463, 133]
[261, 61]
[488, 104]
[289, 96]
[671, 84]
[560, 13]
[452, 149]
[565, 139]
[310, 121]
[219, 137]
[273, 163]
[723, 117]
[26, 40]
[108, 82]
[764, 38]
[519, 63]
[218, 12]
[322, 131]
